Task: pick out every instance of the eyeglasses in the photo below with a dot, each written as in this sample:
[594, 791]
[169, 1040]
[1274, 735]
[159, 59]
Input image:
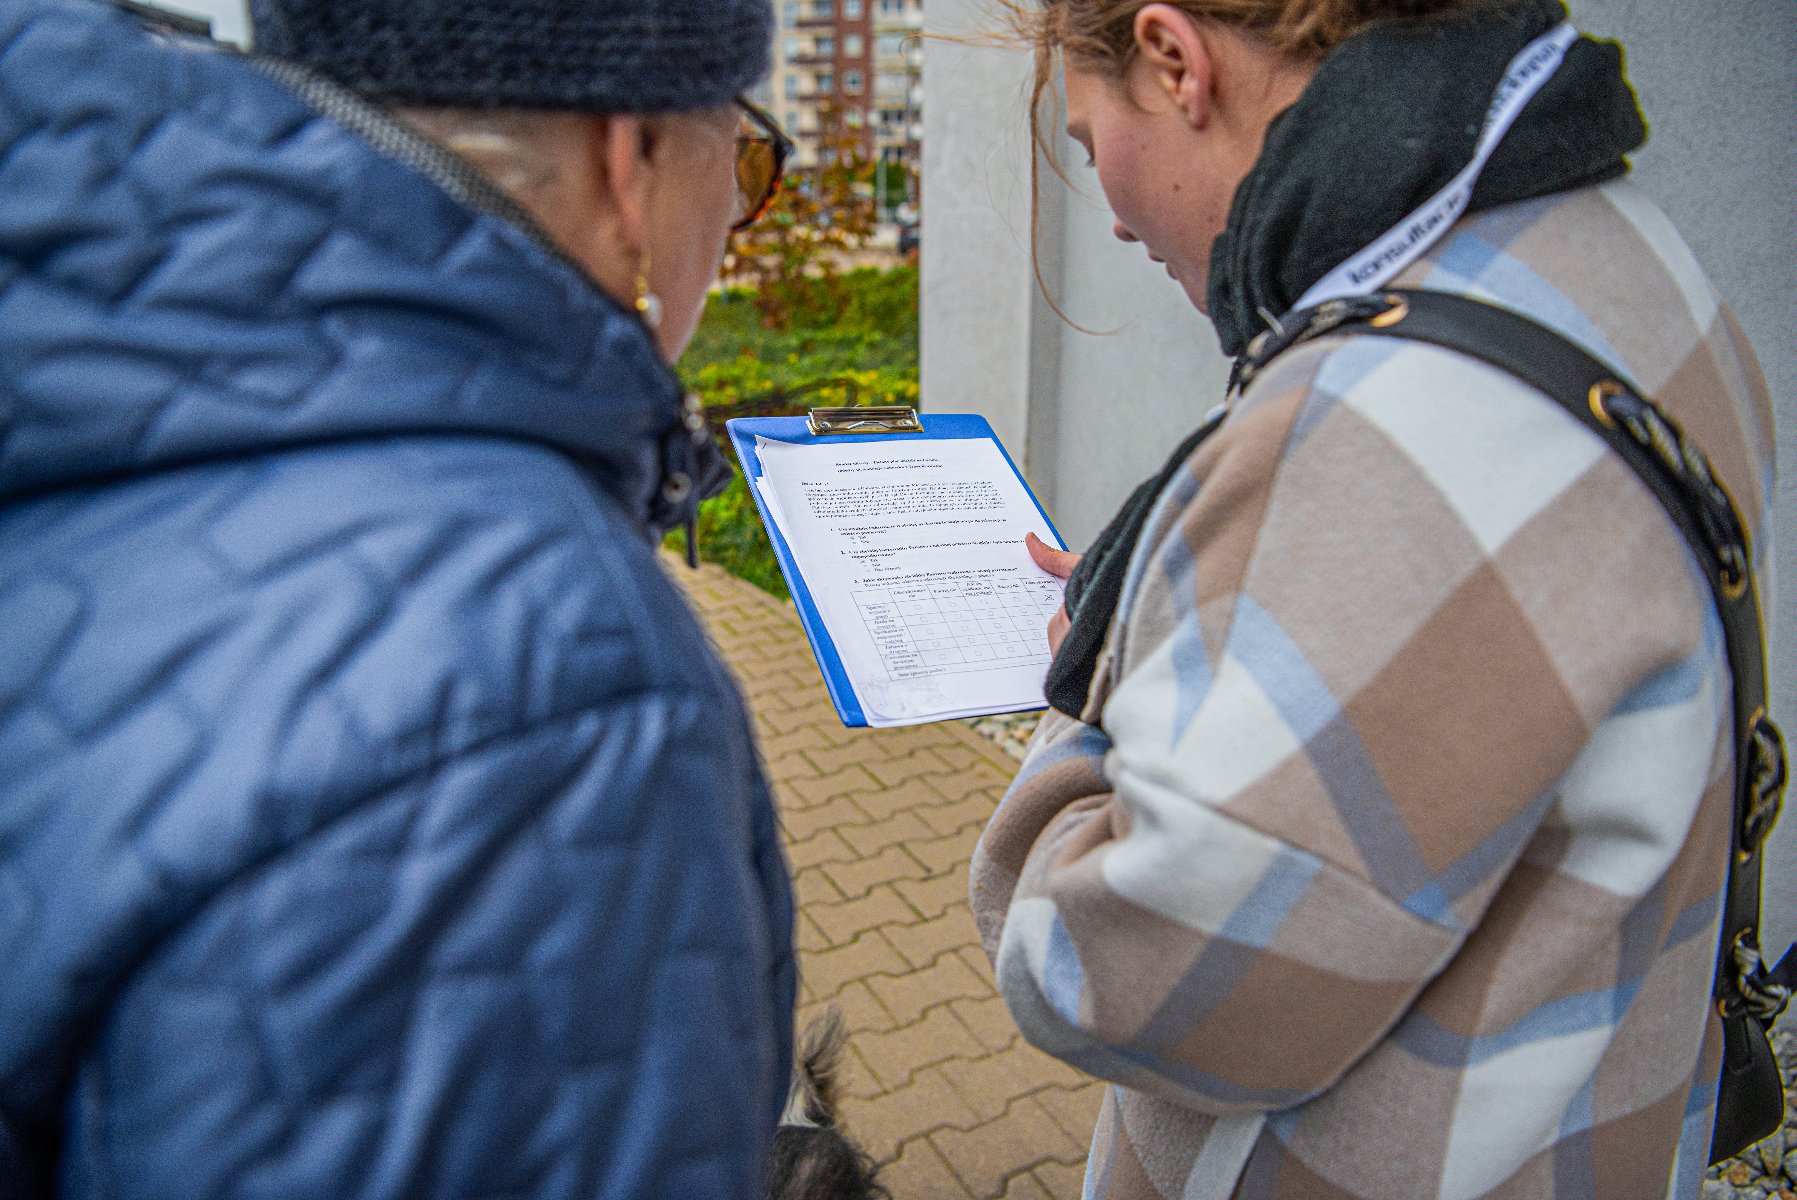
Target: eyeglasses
[761, 151]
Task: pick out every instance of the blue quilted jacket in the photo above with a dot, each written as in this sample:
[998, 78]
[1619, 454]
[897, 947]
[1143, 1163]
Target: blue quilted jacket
[374, 818]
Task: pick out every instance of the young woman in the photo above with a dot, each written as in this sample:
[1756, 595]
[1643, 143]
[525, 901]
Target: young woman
[375, 819]
[1383, 857]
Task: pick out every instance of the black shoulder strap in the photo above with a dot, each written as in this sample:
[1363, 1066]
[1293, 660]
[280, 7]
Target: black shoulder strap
[1750, 1100]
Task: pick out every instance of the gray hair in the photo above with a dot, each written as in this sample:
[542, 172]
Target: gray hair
[505, 145]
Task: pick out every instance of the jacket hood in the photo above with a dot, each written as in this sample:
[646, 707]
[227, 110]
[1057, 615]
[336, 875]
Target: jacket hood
[196, 263]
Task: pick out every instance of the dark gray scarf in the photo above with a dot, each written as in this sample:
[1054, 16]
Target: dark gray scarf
[1390, 116]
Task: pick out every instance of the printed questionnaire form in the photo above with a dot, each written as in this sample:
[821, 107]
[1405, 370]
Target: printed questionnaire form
[913, 553]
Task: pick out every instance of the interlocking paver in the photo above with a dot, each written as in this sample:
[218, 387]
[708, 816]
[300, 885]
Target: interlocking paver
[800, 821]
[958, 785]
[822, 847]
[812, 890]
[915, 763]
[865, 747]
[926, 941]
[861, 1010]
[807, 936]
[985, 1156]
[869, 954]
[989, 1084]
[937, 1037]
[974, 809]
[1061, 1179]
[844, 922]
[778, 712]
[964, 756]
[976, 958]
[806, 737]
[838, 785]
[983, 1012]
[794, 764]
[883, 802]
[947, 979]
[876, 836]
[918, 1173]
[934, 896]
[1074, 1110]
[1026, 1186]
[922, 1104]
[859, 876]
[941, 854]
[879, 827]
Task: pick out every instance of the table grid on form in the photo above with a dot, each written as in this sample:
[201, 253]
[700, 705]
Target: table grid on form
[922, 628]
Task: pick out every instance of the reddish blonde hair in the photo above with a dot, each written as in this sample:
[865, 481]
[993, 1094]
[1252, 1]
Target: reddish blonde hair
[1099, 36]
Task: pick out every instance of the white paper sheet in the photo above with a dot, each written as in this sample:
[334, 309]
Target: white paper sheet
[913, 552]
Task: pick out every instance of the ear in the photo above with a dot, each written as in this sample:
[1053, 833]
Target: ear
[1178, 60]
[623, 148]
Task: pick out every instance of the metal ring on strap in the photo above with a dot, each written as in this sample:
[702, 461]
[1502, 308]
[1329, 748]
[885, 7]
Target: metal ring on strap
[1600, 392]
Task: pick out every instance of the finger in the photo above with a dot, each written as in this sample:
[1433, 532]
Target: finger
[1058, 625]
[1059, 563]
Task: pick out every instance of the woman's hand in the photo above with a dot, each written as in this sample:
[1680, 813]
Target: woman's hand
[1060, 564]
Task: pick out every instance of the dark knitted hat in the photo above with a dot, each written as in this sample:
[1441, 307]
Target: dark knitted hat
[577, 55]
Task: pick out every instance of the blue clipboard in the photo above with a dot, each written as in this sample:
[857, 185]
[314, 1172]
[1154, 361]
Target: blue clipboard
[936, 427]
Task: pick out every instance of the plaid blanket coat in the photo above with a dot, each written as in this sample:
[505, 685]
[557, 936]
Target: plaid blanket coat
[1387, 859]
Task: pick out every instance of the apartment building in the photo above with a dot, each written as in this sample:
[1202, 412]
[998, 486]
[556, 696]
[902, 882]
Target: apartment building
[850, 57]
[898, 83]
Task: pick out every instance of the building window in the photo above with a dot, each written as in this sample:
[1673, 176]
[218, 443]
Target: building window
[851, 46]
[891, 44]
[824, 47]
[851, 82]
[851, 10]
[792, 87]
[826, 82]
[793, 48]
[789, 13]
[853, 117]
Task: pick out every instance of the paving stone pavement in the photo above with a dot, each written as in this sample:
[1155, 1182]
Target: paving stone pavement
[880, 823]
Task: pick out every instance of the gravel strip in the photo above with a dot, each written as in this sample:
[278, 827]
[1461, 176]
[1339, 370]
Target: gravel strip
[1011, 731]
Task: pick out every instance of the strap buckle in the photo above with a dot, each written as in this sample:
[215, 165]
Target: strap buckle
[1758, 992]
[1765, 773]
[1282, 333]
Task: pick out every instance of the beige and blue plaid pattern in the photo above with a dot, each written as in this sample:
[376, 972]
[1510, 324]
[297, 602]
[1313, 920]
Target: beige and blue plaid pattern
[1387, 860]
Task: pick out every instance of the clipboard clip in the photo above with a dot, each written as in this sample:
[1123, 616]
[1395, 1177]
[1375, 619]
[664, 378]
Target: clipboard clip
[872, 418]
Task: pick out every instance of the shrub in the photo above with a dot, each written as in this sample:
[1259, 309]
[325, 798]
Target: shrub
[862, 352]
[790, 255]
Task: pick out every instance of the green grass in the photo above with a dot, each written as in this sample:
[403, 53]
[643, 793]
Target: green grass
[863, 348]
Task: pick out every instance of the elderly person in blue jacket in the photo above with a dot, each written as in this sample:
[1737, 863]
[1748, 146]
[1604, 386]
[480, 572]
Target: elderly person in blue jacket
[374, 819]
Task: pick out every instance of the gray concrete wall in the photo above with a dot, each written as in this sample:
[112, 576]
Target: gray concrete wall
[1718, 82]
[1092, 415]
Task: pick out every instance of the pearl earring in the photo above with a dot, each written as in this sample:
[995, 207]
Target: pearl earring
[648, 304]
